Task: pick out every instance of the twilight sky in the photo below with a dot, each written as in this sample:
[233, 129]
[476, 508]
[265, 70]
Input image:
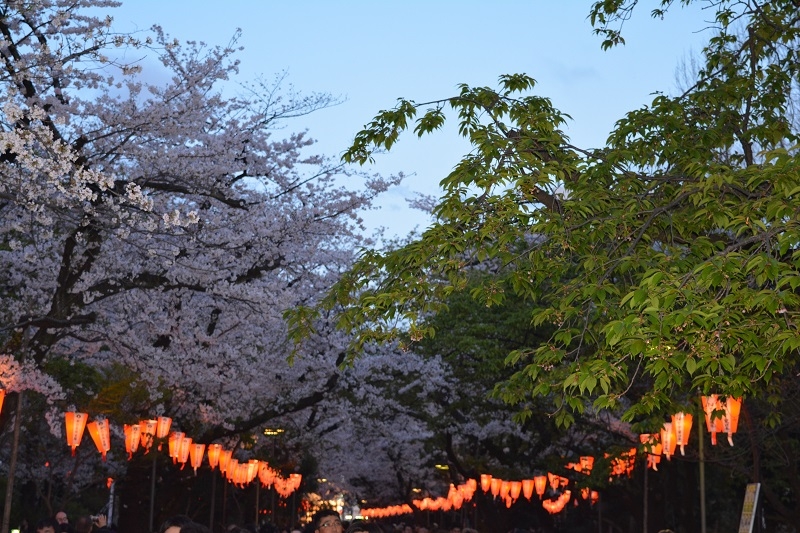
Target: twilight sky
[372, 52]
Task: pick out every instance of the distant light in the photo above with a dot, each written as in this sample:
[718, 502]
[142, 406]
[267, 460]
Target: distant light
[442, 467]
[271, 432]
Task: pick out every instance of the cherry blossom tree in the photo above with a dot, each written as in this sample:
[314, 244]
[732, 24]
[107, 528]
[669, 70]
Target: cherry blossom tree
[163, 228]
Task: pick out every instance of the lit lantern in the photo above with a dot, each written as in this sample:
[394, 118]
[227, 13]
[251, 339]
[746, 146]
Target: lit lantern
[101, 435]
[721, 416]
[297, 478]
[668, 440]
[196, 452]
[252, 469]
[147, 430]
[75, 424]
[733, 406]
[553, 480]
[2, 397]
[183, 453]
[540, 485]
[213, 455]
[714, 423]
[587, 462]
[132, 438]
[267, 475]
[496, 484]
[516, 488]
[467, 490]
[527, 488]
[162, 429]
[230, 469]
[486, 482]
[682, 424]
[175, 439]
[652, 445]
[505, 489]
[224, 460]
[455, 497]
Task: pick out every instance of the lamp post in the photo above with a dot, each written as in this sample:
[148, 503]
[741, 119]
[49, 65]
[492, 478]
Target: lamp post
[12, 465]
[273, 432]
[702, 480]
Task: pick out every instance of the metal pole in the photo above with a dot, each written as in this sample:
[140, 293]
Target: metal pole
[152, 493]
[213, 500]
[12, 466]
[294, 506]
[702, 475]
[599, 515]
[644, 517]
[111, 503]
[258, 490]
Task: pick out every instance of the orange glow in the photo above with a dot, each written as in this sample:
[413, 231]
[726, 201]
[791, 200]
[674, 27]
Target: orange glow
[668, 439]
[75, 424]
[101, 435]
[196, 452]
[131, 439]
[213, 455]
[540, 484]
[496, 483]
[486, 482]
[682, 424]
[527, 488]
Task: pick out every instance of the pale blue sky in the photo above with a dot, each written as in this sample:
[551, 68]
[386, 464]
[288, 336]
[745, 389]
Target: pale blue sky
[373, 52]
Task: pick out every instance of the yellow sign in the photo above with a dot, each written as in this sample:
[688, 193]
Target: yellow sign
[749, 508]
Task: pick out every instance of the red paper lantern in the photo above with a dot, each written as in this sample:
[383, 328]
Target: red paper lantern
[496, 484]
[486, 482]
[147, 431]
[668, 440]
[162, 429]
[101, 435]
[652, 445]
[183, 453]
[224, 460]
[527, 488]
[733, 406]
[75, 424]
[722, 416]
[540, 484]
[196, 452]
[2, 397]
[175, 439]
[132, 438]
[213, 455]
[682, 424]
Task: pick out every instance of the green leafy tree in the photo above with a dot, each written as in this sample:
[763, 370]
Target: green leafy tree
[665, 263]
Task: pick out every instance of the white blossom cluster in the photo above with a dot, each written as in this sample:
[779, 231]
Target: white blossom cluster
[162, 228]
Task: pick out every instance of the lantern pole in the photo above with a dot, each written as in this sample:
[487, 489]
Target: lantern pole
[152, 492]
[12, 466]
[644, 513]
[258, 491]
[213, 499]
[702, 476]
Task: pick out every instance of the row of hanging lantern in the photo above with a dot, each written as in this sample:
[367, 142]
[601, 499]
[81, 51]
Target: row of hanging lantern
[181, 449]
[721, 416]
[456, 496]
[383, 512]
